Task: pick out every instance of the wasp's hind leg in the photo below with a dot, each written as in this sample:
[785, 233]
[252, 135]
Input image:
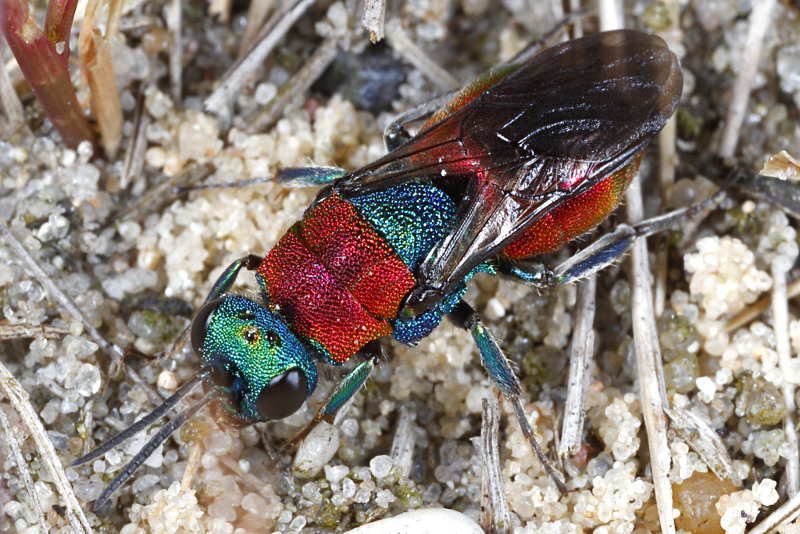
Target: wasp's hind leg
[503, 376]
[344, 390]
[602, 252]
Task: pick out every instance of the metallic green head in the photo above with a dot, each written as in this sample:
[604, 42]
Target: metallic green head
[253, 358]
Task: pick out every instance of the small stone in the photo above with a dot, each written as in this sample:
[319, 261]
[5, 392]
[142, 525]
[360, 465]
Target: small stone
[788, 63]
[760, 401]
[316, 450]
[255, 504]
[384, 498]
[494, 309]
[167, 380]
[425, 521]
[348, 488]
[265, 92]
[381, 466]
[297, 523]
[336, 473]
[695, 498]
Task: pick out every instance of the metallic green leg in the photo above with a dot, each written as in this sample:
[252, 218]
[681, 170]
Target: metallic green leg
[228, 276]
[503, 376]
[345, 389]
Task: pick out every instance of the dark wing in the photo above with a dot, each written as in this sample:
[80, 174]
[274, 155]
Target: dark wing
[558, 124]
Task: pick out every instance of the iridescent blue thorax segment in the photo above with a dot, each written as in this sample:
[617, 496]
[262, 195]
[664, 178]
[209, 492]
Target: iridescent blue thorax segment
[412, 218]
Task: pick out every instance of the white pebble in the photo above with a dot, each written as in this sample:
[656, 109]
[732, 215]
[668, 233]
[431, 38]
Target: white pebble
[167, 380]
[336, 473]
[494, 309]
[381, 466]
[316, 450]
[425, 521]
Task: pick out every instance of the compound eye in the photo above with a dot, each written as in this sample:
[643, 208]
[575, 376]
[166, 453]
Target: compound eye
[283, 395]
[200, 324]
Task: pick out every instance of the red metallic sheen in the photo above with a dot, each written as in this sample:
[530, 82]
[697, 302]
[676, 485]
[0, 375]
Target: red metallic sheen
[574, 217]
[336, 280]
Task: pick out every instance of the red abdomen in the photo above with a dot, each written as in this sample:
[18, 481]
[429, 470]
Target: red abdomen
[575, 216]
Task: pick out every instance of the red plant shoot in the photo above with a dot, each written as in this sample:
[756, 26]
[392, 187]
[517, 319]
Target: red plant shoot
[44, 66]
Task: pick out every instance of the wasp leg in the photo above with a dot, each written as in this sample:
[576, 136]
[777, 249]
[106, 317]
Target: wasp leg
[344, 390]
[228, 276]
[503, 376]
[395, 134]
[604, 251]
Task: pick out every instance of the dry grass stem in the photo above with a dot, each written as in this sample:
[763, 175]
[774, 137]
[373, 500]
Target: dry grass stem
[192, 465]
[28, 414]
[240, 72]
[374, 18]
[649, 365]
[175, 25]
[668, 159]
[580, 356]
[780, 323]
[704, 440]
[402, 451]
[12, 438]
[298, 85]
[134, 155]
[12, 106]
[759, 22]
[399, 40]
[95, 55]
[56, 294]
[751, 312]
[256, 15]
[19, 331]
[495, 517]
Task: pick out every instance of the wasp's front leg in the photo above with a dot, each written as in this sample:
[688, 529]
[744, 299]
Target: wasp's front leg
[344, 390]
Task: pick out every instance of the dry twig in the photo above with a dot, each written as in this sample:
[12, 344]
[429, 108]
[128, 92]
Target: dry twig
[114, 351]
[18, 331]
[175, 25]
[28, 414]
[373, 19]
[495, 517]
[298, 84]
[402, 451]
[408, 49]
[780, 320]
[12, 438]
[270, 35]
[256, 15]
[97, 65]
[9, 97]
[759, 22]
[580, 356]
[649, 366]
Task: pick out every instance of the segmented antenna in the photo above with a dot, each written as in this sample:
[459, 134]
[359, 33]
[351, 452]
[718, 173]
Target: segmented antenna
[145, 421]
[161, 436]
